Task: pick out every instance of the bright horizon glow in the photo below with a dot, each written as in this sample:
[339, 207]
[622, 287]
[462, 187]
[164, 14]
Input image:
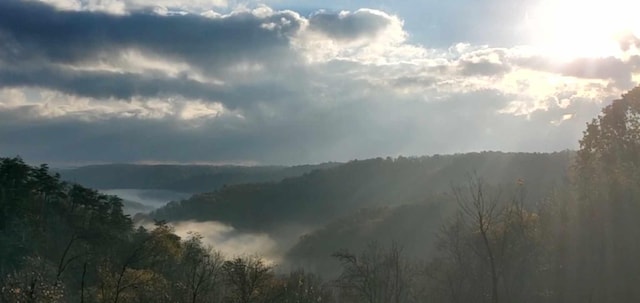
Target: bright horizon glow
[568, 29]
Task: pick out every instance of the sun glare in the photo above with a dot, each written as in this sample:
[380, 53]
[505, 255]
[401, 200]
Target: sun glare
[569, 29]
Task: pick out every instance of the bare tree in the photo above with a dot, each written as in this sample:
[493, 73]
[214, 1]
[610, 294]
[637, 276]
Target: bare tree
[494, 236]
[203, 268]
[376, 275]
[481, 212]
[451, 276]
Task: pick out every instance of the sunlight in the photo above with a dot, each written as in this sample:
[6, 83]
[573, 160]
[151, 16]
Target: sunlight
[568, 29]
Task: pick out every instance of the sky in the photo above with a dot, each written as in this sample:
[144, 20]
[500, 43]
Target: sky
[293, 82]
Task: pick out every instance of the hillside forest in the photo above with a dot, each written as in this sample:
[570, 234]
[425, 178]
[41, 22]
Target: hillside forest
[482, 227]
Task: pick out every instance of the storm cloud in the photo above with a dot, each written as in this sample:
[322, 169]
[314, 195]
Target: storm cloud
[35, 32]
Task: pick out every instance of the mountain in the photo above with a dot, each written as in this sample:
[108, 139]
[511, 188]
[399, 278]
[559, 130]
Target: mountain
[180, 178]
[320, 196]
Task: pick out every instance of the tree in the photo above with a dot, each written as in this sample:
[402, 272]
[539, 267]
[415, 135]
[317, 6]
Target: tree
[301, 287]
[606, 176]
[138, 262]
[201, 270]
[375, 276]
[247, 278]
[482, 212]
[35, 282]
[489, 252]
[452, 275]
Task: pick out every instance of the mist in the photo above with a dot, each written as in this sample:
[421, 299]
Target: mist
[229, 241]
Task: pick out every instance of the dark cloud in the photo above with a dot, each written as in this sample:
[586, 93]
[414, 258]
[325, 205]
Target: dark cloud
[34, 32]
[349, 25]
[43, 47]
[124, 85]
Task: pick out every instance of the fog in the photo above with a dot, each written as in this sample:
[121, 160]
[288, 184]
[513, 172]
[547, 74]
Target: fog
[230, 242]
[217, 235]
[144, 200]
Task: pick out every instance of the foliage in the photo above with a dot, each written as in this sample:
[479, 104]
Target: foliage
[34, 282]
[607, 205]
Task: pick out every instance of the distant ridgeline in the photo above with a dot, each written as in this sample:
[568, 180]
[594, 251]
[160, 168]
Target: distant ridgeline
[319, 196]
[181, 178]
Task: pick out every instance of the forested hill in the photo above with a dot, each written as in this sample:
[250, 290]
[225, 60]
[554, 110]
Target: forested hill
[182, 178]
[63, 243]
[322, 195]
[414, 226]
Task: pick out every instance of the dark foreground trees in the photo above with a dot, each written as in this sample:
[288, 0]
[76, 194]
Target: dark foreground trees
[65, 243]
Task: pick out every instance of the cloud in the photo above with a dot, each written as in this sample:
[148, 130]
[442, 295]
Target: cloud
[364, 35]
[124, 6]
[483, 62]
[70, 37]
[601, 68]
[363, 127]
[629, 42]
[90, 54]
[606, 68]
[345, 25]
[262, 85]
[109, 85]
